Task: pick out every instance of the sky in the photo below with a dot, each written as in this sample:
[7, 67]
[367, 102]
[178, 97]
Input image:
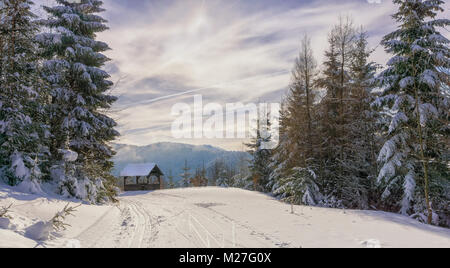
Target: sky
[166, 51]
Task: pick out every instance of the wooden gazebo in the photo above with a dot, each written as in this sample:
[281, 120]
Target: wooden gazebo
[142, 177]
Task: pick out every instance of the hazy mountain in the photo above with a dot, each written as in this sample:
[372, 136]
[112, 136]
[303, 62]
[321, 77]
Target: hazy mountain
[171, 156]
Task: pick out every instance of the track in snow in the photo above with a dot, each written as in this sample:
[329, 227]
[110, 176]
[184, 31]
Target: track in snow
[216, 217]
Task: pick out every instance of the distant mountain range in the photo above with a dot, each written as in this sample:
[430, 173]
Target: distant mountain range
[170, 157]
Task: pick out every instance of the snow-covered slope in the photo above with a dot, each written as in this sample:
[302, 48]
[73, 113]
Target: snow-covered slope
[214, 217]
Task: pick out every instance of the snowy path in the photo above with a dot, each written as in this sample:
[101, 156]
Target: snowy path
[214, 217]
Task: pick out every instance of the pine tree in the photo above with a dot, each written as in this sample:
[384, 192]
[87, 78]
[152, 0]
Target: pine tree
[171, 183]
[300, 103]
[222, 174]
[336, 122]
[79, 99]
[300, 187]
[215, 172]
[296, 154]
[223, 180]
[344, 150]
[200, 180]
[327, 117]
[202, 175]
[279, 162]
[186, 176]
[21, 97]
[414, 175]
[261, 153]
[360, 153]
[242, 178]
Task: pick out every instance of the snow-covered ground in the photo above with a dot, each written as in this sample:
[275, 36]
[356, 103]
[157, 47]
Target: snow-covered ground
[212, 217]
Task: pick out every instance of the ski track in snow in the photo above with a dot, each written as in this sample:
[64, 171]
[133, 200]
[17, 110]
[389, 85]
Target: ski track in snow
[110, 232]
[216, 217]
[140, 226]
[93, 235]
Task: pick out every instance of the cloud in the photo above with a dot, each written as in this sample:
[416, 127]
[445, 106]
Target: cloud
[228, 51]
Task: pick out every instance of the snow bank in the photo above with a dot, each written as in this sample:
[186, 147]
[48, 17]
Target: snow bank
[30, 186]
[4, 223]
[10, 239]
[39, 231]
[30, 215]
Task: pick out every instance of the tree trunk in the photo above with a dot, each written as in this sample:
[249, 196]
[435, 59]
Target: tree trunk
[424, 161]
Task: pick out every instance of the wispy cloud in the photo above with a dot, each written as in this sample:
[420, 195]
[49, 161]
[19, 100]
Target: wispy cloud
[228, 51]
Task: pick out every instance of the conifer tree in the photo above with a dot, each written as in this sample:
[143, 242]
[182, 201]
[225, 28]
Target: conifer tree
[261, 153]
[216, 171]
[335, 176]
[327, 115]
[200, 180]
[300, 103]
[21, 97]
[242, 178]
[79, 99]
[186, 176]
[360, 158]
[171, 183]
[346, 146]
[281, 156]
[223, 178]
[298, 137]
[414, 174]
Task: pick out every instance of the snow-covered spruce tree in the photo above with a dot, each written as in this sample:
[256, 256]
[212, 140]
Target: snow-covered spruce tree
[222, 174]
[223, 179]
[345, 125]
[330, 113]
[242, 181]
[359, 165]
[80, 99]
[414, 176]
[280, 155]
[21, 97]
[242, 178]
[297, 154]
[337, 179]
[300, 187]
[261, 153]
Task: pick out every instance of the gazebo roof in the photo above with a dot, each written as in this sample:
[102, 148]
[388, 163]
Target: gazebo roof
[139, 170]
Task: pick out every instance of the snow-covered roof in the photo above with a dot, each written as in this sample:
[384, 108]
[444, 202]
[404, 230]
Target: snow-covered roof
[134, 170]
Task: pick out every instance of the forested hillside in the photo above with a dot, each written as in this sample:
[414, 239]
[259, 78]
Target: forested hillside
[379, 138]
